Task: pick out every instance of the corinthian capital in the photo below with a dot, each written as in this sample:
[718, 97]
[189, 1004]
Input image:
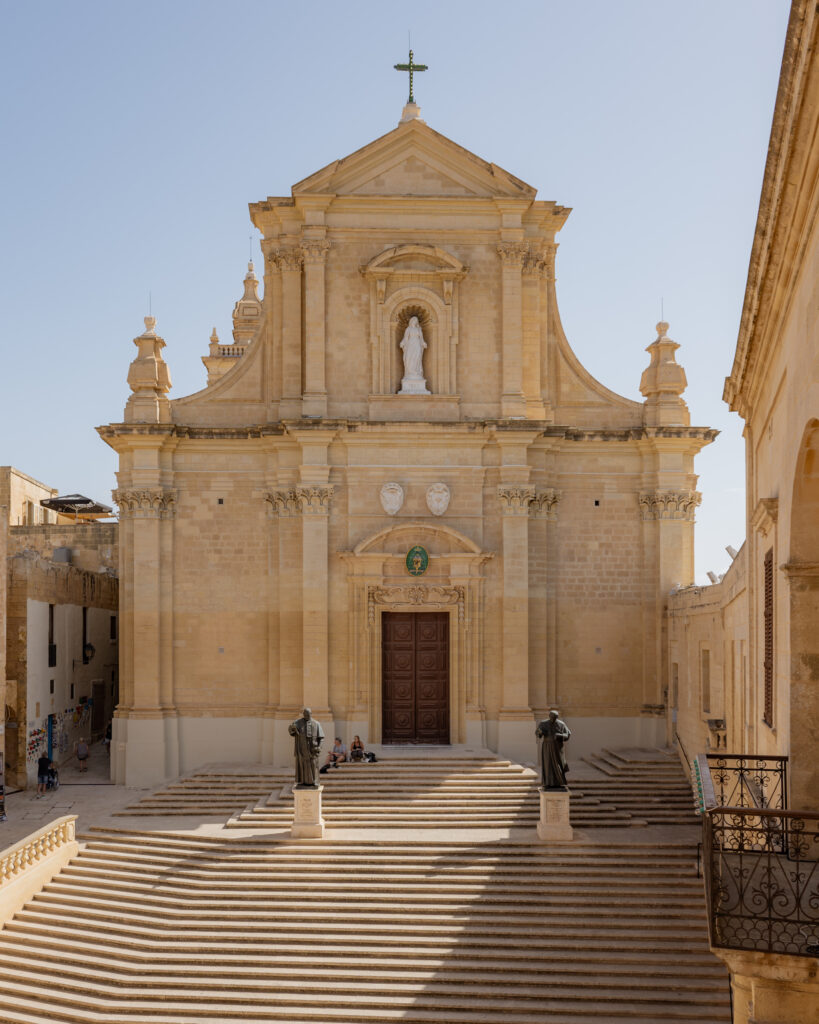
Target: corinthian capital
[151, 503]
[315, 501]
[282, 503]
[314, 251]
[288, 259]
[515, 498]
[669, 505]
[544, 504]
[512, 254]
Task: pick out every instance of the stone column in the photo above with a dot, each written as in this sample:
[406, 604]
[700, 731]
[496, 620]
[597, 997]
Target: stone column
[542, 510]
[533, 322]
[289, 261]
[143, 751]
[285, 506]
[314, 253]
[315, 508]
[513, 402]
[668, 518]
[273, 638]
[516, 728]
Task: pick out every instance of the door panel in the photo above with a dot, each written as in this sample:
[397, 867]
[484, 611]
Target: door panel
[415, 674]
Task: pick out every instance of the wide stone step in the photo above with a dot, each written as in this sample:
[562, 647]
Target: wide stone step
[369, 957]
[358, 989]
[431, 909]
[22, 1010]
[491, 972]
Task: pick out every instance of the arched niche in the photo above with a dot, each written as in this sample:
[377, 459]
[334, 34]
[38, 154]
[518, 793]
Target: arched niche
[406, 276]
[378, 582]
[802, 571]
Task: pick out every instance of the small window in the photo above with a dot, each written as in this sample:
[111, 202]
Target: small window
[705, 679]
[85, 656]
[220, 501]
[72, 691]
[597, 503]
[51, 686]
[112, 627]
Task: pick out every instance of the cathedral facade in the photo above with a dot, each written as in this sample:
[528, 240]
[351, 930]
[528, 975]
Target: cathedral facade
[400, 500]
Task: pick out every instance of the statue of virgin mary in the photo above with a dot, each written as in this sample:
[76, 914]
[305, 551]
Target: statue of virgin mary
[413, 345]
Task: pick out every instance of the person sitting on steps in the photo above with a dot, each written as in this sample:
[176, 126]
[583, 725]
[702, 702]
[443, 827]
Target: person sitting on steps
[336, 755]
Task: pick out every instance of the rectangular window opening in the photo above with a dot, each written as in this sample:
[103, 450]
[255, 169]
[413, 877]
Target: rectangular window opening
[705, 679]
[768, 632]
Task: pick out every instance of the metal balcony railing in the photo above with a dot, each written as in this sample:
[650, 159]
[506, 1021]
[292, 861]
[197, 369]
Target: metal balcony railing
[761, 860]
[762, 880]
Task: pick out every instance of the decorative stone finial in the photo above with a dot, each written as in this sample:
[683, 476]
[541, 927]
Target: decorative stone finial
[663, 382]
[149, 379]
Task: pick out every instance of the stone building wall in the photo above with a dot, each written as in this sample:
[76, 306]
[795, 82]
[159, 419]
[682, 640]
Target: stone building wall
[68, 688]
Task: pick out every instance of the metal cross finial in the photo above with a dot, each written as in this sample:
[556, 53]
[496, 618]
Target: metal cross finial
[411, 67]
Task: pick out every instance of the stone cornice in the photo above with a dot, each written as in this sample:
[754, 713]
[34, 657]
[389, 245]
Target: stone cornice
[679, 505]
[785, 205]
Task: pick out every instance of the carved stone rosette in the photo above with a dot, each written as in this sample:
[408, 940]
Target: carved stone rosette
[544, 504]
[415, 595]
[515, 499]
[311, 500]
[152, 503]
[670, 505]
[512, 254]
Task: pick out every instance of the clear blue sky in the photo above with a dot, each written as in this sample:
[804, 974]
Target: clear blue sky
[134, 135]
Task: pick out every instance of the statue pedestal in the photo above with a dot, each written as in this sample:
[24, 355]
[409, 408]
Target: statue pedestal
[307, 820]
[554, 816]
[413, 386]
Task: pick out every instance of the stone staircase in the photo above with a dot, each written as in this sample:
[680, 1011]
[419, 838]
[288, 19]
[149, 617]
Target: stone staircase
[620, 791]
[172, 928]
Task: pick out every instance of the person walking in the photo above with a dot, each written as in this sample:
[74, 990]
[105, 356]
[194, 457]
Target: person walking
[82, 752]
[43, 766]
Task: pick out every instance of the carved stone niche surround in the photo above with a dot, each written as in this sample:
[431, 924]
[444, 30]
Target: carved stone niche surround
[426, 279]
[378, 582]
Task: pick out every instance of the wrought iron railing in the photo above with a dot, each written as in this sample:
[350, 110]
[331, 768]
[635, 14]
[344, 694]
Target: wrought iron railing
[744, 780]
[762, 879]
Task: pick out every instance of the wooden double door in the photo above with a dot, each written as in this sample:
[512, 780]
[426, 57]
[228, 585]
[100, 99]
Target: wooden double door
[415, 677]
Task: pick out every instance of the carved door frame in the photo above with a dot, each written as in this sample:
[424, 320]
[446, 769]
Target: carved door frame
[378, 582]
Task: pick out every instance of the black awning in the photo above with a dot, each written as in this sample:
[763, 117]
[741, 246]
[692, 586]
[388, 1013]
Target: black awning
[75, 504]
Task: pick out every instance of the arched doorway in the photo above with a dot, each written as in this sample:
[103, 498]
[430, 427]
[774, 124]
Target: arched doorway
[803, 575]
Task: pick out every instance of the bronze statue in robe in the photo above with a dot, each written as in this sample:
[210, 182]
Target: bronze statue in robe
[552, 734]
[308, 736]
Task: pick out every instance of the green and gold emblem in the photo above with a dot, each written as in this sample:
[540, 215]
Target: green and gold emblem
[417, 561]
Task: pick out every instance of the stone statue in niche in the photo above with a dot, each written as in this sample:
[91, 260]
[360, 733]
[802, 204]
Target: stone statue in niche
[392, 498]
[438, 499]
[413, 345]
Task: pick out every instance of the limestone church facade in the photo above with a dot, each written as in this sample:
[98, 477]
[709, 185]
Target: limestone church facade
[429, 557]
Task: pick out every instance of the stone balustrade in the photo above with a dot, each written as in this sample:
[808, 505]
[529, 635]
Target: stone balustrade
[31, 863]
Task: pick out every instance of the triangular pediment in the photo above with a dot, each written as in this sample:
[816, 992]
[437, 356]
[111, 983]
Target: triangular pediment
[414, 160]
